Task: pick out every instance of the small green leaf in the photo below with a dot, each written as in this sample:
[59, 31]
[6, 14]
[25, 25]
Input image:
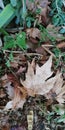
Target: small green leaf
[55, 20]
[13, 2]
[62, 31]
[8, 63]
[38, 11]
[11, 58]
[9, 43]
[29, 24]
[20, 41]
[61, 120]
[57, 52]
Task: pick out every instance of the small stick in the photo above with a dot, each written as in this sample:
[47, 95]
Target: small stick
[25, 53]
[46, 45]
[46, 49]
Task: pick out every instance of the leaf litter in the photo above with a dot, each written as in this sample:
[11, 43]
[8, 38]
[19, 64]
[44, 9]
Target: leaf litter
[33, 94]
[39, 81]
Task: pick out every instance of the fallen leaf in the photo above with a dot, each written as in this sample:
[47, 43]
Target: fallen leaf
[37, 83]
[17, 102]
[57, 87]
[40, 82]
[61, 96]
[41, 50]
[2, 94]
[14, 64]
[10, 90]
[33, 32]
[17, 97]
[61, 45]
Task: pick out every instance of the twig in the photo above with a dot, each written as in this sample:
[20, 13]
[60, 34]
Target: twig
[46, 49]
[46, 45]
[23, 53]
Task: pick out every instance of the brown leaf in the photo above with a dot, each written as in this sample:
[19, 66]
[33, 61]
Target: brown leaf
[56, 88]
[16, 95]
[33, 32]
[35, 83]
[10, 90]
[61, 45]
[2, 94]
[14, 64]
[38, 83]
[61, 96]
[17, 102]
[41, 50]
[7, 127]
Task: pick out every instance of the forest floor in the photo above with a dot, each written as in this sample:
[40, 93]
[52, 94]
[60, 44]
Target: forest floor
[32, 71]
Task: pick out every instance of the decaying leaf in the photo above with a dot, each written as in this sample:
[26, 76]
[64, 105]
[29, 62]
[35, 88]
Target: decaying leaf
[33, 32]
[17, 102]
[61, 96]
[38, 83]
[61, 45]
[17, 97]
[2, 94]
[10, 90]
[52, 94]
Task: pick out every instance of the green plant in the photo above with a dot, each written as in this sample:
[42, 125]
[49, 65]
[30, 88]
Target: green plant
[29, 21]
[12, 42]
[9, 59]
[6, 15]
[21, 10]
[15, 8]
[57, 13]
[60, 57]
[45, 36]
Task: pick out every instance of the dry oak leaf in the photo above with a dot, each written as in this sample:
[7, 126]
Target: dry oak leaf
[40, 82]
